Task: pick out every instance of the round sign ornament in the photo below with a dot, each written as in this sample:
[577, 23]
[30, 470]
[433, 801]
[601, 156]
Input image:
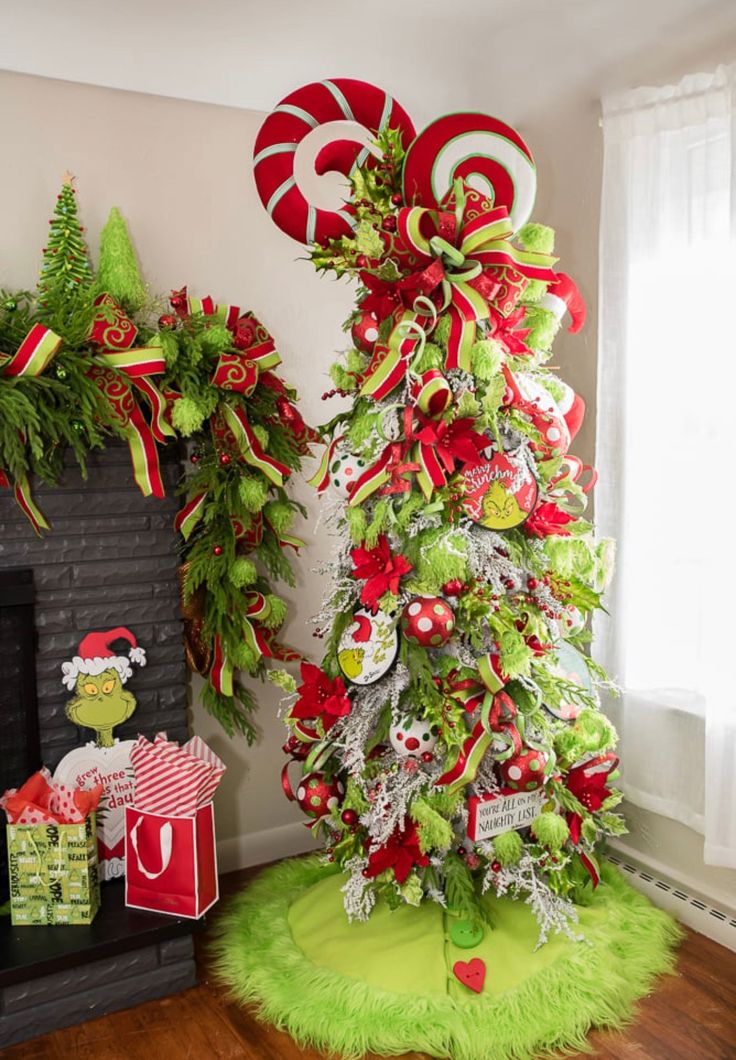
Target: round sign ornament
[368, 647]
[572, 667]
[500, 494]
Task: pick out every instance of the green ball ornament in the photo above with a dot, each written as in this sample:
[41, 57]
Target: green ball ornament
[60, 372]
[10, 305]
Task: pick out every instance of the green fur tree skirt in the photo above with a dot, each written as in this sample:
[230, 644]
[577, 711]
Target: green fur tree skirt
[387, 986]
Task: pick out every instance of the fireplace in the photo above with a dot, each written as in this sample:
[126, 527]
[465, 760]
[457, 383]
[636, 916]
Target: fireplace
[18, 703]
[109, 560]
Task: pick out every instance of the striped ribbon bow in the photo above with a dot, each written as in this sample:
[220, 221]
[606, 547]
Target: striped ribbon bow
[463, 250]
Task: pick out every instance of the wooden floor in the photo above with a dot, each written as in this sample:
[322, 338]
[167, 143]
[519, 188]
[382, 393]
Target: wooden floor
[689, 1017]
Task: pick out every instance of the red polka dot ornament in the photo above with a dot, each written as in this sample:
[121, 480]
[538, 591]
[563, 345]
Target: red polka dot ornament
[428, 621]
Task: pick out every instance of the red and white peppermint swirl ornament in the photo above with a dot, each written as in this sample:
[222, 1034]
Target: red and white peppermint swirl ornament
[339, 99]
[486, 153]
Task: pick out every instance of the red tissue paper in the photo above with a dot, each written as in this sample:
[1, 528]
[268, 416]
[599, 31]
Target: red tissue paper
[43, 801]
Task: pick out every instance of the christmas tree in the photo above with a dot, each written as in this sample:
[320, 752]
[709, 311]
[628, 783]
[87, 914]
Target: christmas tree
[452, 737]
[118, 271]
[65, 263]
[450, 748]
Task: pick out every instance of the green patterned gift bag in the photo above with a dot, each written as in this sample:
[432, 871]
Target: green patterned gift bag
[53, 873]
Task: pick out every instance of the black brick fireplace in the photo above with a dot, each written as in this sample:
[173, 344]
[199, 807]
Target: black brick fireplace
[109, 560]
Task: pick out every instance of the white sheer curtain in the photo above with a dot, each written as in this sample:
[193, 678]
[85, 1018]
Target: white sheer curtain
[666, 447]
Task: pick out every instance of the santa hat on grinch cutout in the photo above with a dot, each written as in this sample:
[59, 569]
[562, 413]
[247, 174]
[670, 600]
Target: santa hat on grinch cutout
[96, 655]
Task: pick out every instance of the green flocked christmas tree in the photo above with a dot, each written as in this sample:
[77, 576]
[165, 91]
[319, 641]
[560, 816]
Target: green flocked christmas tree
[451, 741]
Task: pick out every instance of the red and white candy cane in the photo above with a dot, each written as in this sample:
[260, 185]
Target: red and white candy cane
[486, 153]
[338, 99]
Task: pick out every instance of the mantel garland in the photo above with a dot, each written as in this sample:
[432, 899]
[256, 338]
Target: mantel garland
[85, 358]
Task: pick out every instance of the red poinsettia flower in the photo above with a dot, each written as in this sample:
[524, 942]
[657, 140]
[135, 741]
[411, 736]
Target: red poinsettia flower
[507, 331]
[401, 853]
[548, 519]
[588, 783]
[453, 441]
[320, 697]
[382, 571]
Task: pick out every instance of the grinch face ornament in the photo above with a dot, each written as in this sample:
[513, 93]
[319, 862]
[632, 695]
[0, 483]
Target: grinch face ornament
[500, 494]
[412, 738]
[368, 647]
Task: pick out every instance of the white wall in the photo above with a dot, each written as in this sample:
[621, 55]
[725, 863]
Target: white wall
[180, 172]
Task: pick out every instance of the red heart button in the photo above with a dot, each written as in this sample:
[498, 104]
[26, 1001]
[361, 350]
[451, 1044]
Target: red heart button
[471, 973]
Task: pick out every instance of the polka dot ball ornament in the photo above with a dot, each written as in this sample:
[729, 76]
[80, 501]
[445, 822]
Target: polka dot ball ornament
[319, 793]
[428, 621]
[345, 470]
[525, 771]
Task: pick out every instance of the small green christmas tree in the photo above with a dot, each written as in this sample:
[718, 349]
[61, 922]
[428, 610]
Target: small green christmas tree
[118, 273]
[66, 264]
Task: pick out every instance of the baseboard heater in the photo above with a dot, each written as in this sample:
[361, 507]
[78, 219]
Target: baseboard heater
[688, 908]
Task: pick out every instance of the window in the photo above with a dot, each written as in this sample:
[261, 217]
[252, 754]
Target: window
[666, 448]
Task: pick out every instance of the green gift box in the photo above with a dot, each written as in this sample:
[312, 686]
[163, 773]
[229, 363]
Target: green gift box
[53, 873]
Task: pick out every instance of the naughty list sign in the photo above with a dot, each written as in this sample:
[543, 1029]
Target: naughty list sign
[490, 815]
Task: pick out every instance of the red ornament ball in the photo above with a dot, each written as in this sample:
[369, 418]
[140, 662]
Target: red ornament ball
[496, 866]
[168, 320]
[388, 224]
[225, 459]
[217, 550]
[396, 199]
[318, 794]
[364, 332]
[194, 458]
[349, 817]
[427, 621]
[361, 261]
[427, 757]
[453, 587]
[525, 771]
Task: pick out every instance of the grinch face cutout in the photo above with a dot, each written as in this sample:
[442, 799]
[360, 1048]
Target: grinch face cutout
[412, 738]
[101, 703]
[97, 676]
[500, 494]
[368, 647]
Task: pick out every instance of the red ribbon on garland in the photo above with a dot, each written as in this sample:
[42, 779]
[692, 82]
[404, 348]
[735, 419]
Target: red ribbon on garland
[33, 356]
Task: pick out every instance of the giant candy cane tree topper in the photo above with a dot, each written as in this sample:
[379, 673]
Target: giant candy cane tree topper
[477, 767]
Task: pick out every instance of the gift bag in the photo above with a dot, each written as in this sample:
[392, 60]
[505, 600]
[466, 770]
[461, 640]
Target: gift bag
[53, 873]
[52, 852]
[170, 857]
[171, 863]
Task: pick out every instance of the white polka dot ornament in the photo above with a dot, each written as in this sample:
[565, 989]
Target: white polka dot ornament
[428, 621]
[525, 771]
[364, 332]
[345, 470]
[318, 794]
[412, 738]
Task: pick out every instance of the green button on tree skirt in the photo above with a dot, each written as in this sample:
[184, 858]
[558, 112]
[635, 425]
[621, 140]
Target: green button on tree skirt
[388, 986]
[53, 873]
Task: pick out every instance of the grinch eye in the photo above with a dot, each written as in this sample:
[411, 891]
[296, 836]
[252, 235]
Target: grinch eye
[108, 686]
[90, 688]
